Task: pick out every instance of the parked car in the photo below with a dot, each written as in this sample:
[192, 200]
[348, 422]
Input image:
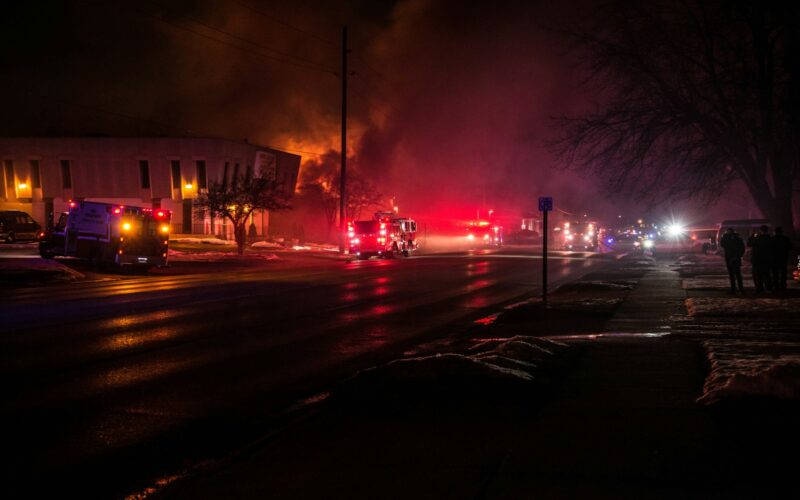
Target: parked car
[18, 226]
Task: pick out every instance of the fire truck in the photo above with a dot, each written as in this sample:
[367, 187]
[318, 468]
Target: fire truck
[579, 236]
[111, 234]
[385, 235]
[484, 232]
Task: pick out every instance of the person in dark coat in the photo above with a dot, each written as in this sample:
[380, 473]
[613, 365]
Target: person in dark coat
[761, 258]
[733, 248]
[781, 247]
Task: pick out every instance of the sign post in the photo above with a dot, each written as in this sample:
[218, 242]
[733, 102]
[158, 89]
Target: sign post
[545, 205]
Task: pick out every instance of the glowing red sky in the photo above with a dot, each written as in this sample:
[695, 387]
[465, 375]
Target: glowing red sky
[450, 104]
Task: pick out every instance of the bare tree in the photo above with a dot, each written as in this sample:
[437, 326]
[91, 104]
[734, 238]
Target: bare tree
[236, 200]
[696, 94]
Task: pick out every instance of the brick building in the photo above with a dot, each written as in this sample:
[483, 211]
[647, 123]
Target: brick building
[40, 175]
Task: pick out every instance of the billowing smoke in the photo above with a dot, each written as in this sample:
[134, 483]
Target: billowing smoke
[450, 102]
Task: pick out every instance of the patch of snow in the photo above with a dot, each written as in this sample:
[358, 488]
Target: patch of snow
[205, 241]
[581, 286]
[735, 306]
[178, 256]
[266, 244]
[497, 367]
[742, 368]
[707, 283]
[36, 269]
[301, 247]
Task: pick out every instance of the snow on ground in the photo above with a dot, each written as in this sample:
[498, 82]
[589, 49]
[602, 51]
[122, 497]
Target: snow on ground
[707, 283]
[267, 244]
[751, 368]
[491, 368]
[597, 285]
[35, 270]
[180, 256]
[205, 241]
[735, 306]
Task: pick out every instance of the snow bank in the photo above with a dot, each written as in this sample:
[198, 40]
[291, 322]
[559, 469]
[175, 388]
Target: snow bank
[266, 244]
[590, 286]
[500, 368]
[204, 241]
[36, 270]
[179, 256]
[746, 368]
[707, 283]
[755, 307]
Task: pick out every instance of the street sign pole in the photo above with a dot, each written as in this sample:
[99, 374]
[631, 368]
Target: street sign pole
[545, 205]
[544, 259]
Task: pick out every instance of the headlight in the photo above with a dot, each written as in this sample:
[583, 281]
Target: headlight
[648, 243]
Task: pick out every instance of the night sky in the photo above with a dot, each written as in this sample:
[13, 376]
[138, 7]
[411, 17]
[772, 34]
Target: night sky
[450, 104]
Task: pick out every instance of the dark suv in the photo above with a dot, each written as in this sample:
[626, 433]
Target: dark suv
[17, 226]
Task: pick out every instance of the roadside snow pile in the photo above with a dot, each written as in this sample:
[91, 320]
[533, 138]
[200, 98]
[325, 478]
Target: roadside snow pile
[178, 256]
[266, 244]
[746, 368]
[492, 369]
[28, 271]
[707, 283]
[589, 286]
[755, 307]
[575, 304]
[204, 241]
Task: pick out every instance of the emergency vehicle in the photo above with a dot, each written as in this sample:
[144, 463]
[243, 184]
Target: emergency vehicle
[383, 236]
[579, 236]
[108, 233]
[484, 232]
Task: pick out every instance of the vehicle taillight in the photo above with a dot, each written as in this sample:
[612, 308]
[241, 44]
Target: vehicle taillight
[160, 214]
[116, 210]
[383, 232]
[165, 228]
[355, 241]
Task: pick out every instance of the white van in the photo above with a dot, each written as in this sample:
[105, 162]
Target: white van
[745, 227]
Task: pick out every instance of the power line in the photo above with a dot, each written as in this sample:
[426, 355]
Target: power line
[284, 23]
[238, 47]
[256, 44]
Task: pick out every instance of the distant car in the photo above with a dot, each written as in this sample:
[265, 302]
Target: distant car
[18, 226]
[51, 242]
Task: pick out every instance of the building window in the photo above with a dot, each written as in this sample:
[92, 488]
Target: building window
[9, 168]
[144, 174]
[176, 173]
[36, 177]
[201, 175]
[235, 177]
[66, 174]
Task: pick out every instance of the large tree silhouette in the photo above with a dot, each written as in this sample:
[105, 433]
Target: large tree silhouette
[236, 200]
[697, 94]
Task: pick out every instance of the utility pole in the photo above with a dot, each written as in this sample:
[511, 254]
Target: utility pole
[343, 178]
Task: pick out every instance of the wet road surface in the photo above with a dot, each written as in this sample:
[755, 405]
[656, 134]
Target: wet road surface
[110, 383]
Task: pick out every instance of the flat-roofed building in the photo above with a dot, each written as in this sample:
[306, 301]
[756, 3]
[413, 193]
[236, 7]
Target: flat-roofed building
[40, 175]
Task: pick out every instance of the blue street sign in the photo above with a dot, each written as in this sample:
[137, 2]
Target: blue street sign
[545, 203]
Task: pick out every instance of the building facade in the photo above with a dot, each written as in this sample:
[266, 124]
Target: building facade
[40, 175]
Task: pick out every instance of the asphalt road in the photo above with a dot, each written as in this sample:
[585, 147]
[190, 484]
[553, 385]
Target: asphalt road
[112, 383]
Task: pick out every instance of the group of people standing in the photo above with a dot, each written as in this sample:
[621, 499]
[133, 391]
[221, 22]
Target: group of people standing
[768, 256]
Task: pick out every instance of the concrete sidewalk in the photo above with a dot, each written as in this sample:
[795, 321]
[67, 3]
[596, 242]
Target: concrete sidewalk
[621, 423]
